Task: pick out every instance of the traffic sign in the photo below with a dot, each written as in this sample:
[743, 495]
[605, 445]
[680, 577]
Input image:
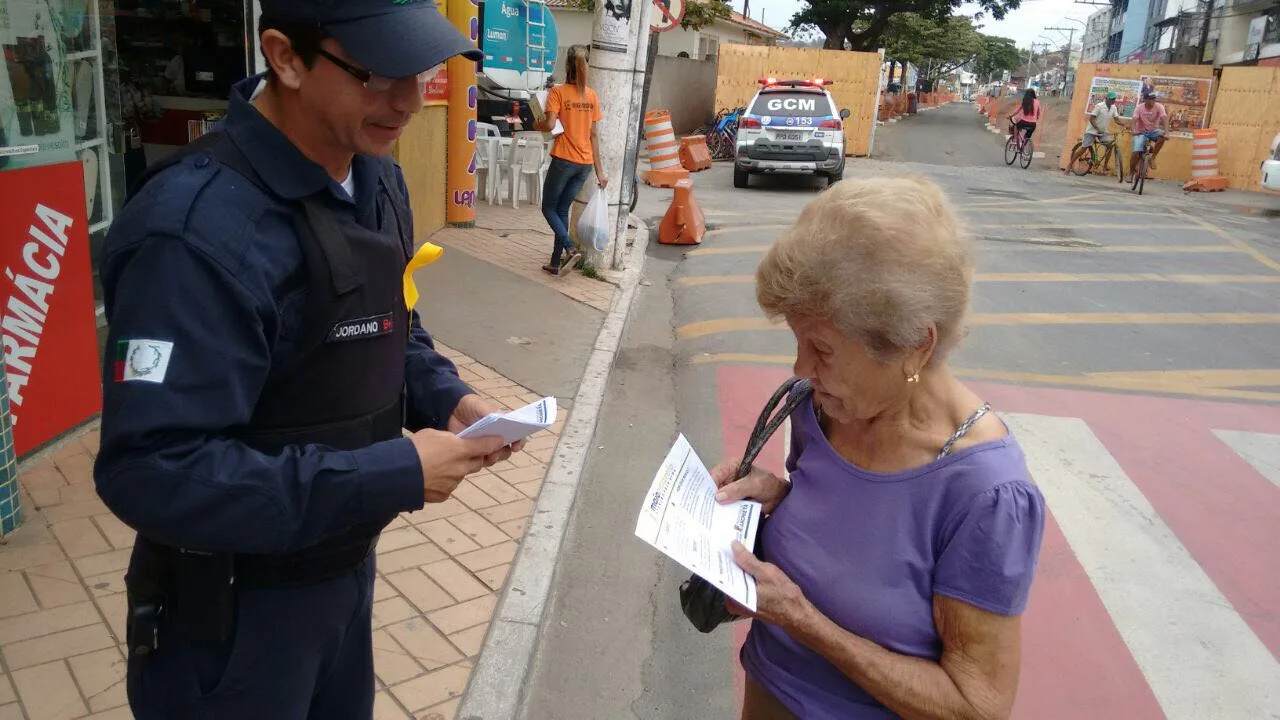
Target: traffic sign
[667, 15]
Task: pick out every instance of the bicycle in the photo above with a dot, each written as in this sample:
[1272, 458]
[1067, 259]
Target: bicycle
[723, 138]
[1140, 170]
[1018, 145]
[1084, 164]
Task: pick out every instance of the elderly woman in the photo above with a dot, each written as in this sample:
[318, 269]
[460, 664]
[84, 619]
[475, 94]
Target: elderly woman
[901, 551]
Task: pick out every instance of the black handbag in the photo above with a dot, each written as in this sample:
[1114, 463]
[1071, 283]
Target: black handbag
[701, 601]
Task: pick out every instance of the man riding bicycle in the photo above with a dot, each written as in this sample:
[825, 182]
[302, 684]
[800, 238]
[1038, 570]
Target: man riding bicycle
[1150, 122]
[1099, 127]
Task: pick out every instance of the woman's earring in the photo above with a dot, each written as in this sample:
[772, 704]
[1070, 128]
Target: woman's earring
[913, 378]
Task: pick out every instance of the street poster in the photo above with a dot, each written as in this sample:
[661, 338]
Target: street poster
[1185, 99]
[49, 330]
[612, 29]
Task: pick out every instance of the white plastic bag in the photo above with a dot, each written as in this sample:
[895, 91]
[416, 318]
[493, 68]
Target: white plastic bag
[593, 224]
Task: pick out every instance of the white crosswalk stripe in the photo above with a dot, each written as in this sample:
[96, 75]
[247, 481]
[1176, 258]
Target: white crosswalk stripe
[1198, 655]
[1261, 450]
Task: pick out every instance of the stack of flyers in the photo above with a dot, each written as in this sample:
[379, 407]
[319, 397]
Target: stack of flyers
[517, 424]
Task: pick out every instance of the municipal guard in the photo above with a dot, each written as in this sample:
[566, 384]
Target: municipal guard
[261, 367]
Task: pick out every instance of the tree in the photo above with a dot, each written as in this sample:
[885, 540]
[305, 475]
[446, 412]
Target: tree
[995, 55]
[937, 47]
[862, 24]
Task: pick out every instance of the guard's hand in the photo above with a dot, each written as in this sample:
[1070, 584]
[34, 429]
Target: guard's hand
[471, 408]
[447, 459]
[760, 485]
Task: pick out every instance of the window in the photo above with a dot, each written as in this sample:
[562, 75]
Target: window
[708, 46]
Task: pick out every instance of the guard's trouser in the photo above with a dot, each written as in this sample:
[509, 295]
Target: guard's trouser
[301, 653]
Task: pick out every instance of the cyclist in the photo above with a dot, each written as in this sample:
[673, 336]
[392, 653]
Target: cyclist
[1150, 122]
[1099, 127]
[1028, 114]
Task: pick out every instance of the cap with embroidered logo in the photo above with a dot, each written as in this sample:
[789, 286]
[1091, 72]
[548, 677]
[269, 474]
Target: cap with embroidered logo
[391, 38]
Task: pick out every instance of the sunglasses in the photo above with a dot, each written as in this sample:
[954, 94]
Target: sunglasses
[378, 83]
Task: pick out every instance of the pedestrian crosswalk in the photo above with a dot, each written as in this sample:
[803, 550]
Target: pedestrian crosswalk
[1158, 590]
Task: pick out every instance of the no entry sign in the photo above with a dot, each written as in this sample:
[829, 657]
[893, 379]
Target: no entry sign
[667, 15]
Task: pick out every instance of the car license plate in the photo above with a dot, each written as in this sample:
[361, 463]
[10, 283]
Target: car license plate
[790, 136]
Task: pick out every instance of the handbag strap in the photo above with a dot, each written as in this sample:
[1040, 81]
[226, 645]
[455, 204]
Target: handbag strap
[796, 391]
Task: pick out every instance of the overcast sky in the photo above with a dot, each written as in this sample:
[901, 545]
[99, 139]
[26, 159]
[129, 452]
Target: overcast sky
[1024, 25]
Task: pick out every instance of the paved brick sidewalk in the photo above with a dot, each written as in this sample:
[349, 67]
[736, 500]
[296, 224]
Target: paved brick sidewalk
[62, 606]
[519, 240]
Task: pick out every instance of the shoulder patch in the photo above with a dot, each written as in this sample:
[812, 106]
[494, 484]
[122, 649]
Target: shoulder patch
[142, 360]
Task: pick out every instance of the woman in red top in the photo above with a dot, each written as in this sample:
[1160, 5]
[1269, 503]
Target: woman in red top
[1028, 114]
[574, 153]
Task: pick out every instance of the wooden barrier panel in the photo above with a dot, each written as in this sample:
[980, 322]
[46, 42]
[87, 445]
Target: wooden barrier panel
[422, 157]
[855, 76]
[1174, 162]
[1246, 114]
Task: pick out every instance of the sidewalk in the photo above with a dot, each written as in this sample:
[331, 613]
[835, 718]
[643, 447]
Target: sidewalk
[440, 570]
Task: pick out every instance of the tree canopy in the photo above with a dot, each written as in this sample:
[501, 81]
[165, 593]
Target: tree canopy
[935, 47]
[995, 55]
[863, 24]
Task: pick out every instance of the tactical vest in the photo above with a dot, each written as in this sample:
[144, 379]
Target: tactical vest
[343, 386]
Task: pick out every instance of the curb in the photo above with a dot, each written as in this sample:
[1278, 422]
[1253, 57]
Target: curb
[496, 686]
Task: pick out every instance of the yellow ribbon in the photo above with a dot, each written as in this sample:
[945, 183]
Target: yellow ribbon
[426, 255]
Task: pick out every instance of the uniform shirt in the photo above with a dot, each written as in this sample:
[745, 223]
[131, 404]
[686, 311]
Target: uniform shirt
[1145, 120]
[870, 550]
[1102, 117]
[577, 111]
[203, 270]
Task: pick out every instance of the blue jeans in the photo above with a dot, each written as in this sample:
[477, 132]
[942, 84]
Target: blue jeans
[564, 181]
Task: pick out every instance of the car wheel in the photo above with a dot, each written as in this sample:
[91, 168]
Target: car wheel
[741, 177]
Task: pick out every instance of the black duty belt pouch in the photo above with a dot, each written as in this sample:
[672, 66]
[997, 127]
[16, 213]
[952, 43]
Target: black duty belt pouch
[701, 601]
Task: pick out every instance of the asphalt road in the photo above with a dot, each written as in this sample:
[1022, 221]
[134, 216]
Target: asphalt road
[1131, 342]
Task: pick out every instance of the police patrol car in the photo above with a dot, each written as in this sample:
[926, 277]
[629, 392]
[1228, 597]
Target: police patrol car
[790, 126]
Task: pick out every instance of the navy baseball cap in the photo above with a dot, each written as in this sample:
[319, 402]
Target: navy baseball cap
[391, 38]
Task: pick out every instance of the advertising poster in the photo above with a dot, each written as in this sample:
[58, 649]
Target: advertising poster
[437, 92]
[1185, 99]
[36, 120]
[611, 33]
[49, 332]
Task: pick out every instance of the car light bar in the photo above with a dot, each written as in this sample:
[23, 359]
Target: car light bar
[772, 81]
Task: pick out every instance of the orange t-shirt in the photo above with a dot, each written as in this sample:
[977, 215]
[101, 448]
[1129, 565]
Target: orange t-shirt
[576, 112]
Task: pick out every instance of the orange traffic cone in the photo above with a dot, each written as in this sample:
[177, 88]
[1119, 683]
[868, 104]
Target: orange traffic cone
[684, 223]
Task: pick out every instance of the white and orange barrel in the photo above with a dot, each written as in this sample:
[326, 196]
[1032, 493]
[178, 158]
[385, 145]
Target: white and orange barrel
[1204, 163]
[664, 151]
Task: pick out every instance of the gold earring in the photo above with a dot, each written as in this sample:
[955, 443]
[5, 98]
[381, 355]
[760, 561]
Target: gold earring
[913, 378]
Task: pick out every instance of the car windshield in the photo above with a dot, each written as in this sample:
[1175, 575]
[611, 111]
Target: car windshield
[792, 103]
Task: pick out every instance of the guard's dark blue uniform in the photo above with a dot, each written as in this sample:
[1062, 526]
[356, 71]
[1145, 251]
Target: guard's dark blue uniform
[261, 364]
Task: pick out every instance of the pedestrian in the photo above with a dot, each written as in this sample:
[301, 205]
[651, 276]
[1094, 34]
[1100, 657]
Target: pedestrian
[901, 550]
[573, 154]
[262, 367]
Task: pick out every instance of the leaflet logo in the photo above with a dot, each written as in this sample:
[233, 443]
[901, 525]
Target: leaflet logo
[656, 502]
[361, 328]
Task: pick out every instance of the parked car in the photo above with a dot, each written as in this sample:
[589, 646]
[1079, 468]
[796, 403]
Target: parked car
[1271, 167]
[791, 126]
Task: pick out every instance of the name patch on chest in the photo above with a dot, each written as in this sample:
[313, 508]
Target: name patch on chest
[361, 328]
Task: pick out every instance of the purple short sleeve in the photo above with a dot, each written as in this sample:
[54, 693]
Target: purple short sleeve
[991, 559]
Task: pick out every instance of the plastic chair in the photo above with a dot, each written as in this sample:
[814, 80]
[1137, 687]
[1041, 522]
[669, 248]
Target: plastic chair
[508, 160]
[526, 170]
[487, 148]
[484, 129]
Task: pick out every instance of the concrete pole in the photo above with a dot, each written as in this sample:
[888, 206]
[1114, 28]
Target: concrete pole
[619, 47]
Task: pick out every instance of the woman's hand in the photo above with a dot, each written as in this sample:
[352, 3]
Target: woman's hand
[760, 485]
[601, 179]
[779, 601]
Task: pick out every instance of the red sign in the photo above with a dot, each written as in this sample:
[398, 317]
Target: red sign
[437, 92]
[49, 331]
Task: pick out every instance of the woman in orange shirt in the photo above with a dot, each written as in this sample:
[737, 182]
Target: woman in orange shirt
[574, 153]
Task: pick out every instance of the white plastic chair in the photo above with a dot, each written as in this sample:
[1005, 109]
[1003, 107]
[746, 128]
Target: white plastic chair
[487, 148]
[526, 169]
[484, 129]
[508, 165]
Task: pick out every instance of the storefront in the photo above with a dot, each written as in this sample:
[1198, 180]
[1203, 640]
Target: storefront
[92, 92]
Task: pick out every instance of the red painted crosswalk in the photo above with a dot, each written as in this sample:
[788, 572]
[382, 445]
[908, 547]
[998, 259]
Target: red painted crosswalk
[1160, 570]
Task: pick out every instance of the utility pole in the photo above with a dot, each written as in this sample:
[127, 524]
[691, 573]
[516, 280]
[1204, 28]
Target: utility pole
[1066, 54]
[619, 49]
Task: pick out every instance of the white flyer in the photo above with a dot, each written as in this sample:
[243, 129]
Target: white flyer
[681, 518]
[517, 424]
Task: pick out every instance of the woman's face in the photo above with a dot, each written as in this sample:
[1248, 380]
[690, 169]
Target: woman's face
[849, 384]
